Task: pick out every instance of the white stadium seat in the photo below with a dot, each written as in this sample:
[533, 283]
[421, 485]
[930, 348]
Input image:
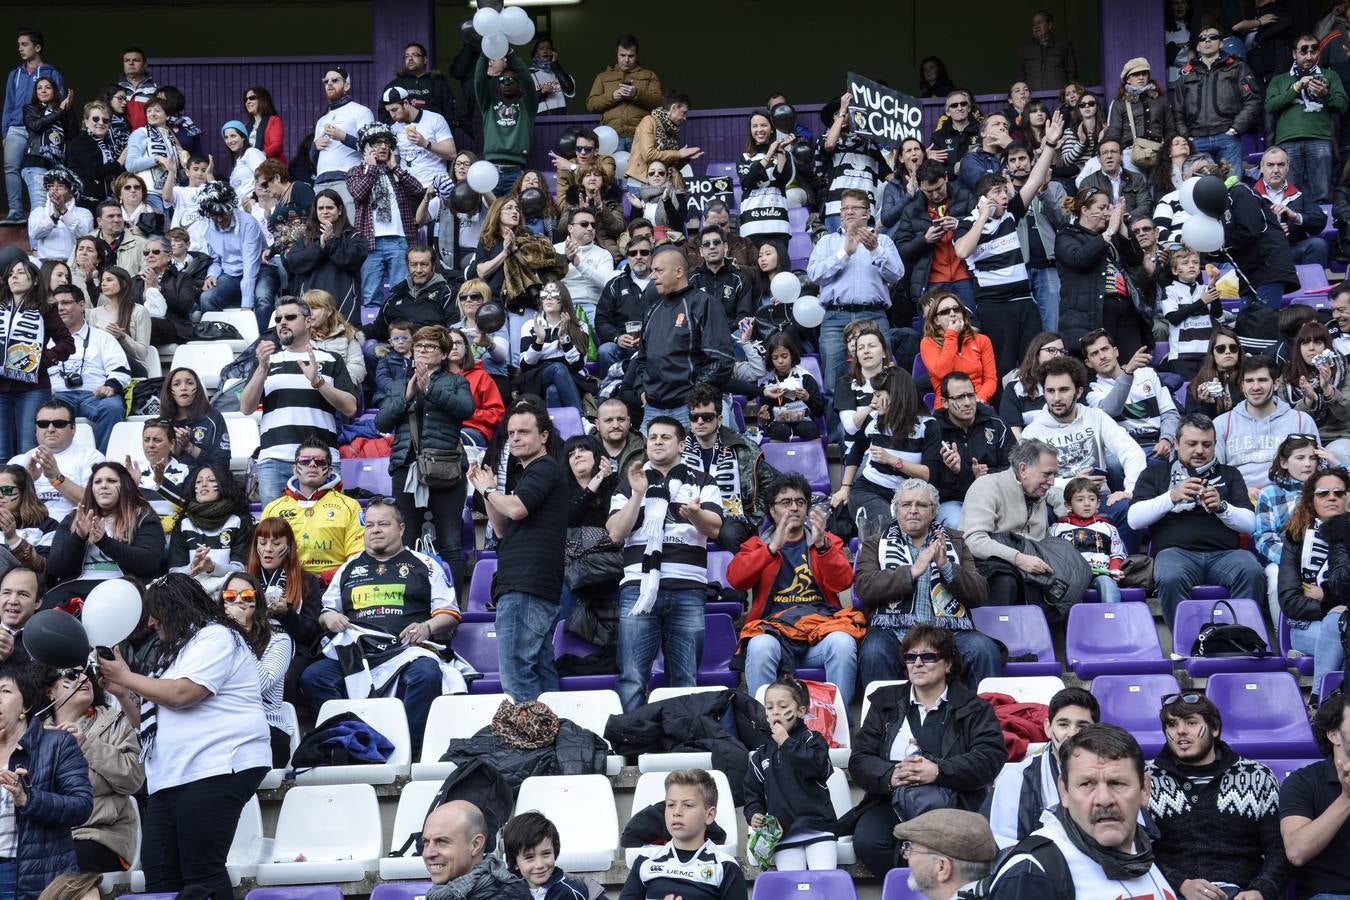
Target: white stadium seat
[206, 358]
[1023, 688]
[244, 439]
[335, 827]
[387, 716]
[124, 441]
[413, 802]
[272, 780]
[452, 716]
[247, 847]
[841, 798]
[867, 695]
[242, 319]
[113, 880]
[582, 806]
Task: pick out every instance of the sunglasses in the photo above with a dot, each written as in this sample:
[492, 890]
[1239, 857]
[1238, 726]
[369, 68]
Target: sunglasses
[1087, 104]
[584, 224]
[288, 317]
[1306, 48]
[1212, 36]
[251, 97]
[950, 310]
[471, 295]
[707, 244]
[584, 149]
[928, 658]
[99, 119]
[53, 423]
[246, 596]
[1188, 697]
[1225, 348]
[70, 674]
[632, 253]
[959, 104]
[321, 462]
[1332, 492]
[702, 416]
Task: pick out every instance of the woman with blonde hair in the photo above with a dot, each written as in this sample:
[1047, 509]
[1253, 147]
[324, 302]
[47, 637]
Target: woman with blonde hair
[492, 350]
[330, 330]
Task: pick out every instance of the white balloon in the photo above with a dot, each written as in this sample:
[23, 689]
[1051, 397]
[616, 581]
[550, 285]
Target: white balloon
[111, 612]
[785, 287]
[796, 197]
[496, 46]
[607, 139]
[487, 22]
[807, 311]
[482, 176]
[620, 162]
[1186, 195]
[1202, 233]
[516, 25]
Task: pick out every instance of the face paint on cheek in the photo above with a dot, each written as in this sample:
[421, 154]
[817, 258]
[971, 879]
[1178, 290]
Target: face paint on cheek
[1202, 732]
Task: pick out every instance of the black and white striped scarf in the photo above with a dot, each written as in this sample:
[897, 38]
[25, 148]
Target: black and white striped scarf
[148, 728]
[1312, 562]
[1310, 103]
[933, 602]
[655, 508]
[725, 471]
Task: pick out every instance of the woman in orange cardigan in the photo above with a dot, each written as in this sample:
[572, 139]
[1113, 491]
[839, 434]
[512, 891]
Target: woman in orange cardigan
[951, 344]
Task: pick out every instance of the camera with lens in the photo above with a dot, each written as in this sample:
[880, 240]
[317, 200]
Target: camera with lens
[74, 380]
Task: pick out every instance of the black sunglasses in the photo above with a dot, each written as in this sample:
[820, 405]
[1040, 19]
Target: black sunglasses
[702, 416]
[639, 253]
[1186, 697]
[285, 317]
[53, 423]
[928, 659]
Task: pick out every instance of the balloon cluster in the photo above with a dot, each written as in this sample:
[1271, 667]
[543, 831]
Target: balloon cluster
[1205, 198]
[807, 311]
[499, 30]
[110, 614]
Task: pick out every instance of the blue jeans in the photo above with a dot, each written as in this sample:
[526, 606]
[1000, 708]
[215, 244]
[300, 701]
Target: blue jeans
[1107, 588]
[559, 387]
[675, 622]
[837, 652]
[1045, 290]
[1310, 166]
[507, 176]
[102, 412]
[228, 293]
[387, 263]
[949, 514]
[1269, 294]
[1176, 571]
[879, 656]
[1322, 641]
[16, 141]
[18, 414]
[418, 685]
[525, 641]
[32, 181]
[678, 413]
[1311, 251]
[272, 477]
[965, 289]
[833, 351]
[1225, 147]
[609, 353]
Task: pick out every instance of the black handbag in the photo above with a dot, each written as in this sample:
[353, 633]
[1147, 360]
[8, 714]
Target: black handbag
[438, 468]
[593, 559]
[213, 330]
[1218, 640]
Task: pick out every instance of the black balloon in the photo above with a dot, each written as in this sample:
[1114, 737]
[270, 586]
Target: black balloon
[784, 118]
[468, 34]
[567, 144]
[802, 154]
[464, 199]
[532, 203]
[1211, 196]
[491, 317]
[57, 639]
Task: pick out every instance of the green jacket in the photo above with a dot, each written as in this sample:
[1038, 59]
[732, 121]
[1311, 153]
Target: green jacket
[507, 124]
[1292, 122]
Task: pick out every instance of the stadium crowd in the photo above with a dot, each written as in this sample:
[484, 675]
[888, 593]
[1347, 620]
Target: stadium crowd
[598, 411]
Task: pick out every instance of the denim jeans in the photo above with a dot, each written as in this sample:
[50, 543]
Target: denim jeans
[418, 685]
[1310, 166]
[18, 415]
[949, 514]
[964, 289]
[1311, 251]
[833, 352]
[32, 182]
[836, 652]
[1045, 289]
[1225, 147]
[1107, 588]
[675, 623]
[507, 176]
[387, 263]
[879, 656]
[228, 293]
[9, 880]
[272, 476]
[1269, 294]
[609, 353]
[102, 412]
[525, 643]
[678, 413]
[16, 141]
[1176, 571]
[559, 387]
[1321, 640]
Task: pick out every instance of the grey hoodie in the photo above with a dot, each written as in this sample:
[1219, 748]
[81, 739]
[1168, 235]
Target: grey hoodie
[489, 880]
[1249, 443]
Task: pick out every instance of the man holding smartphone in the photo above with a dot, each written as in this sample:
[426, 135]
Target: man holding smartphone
[625, 92]
[923, 235]
[1303, 101]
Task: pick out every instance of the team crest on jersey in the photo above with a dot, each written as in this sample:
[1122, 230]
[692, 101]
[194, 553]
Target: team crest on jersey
[403, 570]
[199, 434]
[332, 514]
[379, 570]
[679, 320]
[989, 435]
[706, 873]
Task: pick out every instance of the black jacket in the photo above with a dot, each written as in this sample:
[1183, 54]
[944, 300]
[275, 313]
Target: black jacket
[85, 159]
[1314, 219]
[1081, 257]
[1212, 100]
[431, 304]
[575, 751]
[1255, 242]
[621, 301]
[988, 440]
[46, 135]
[1335, 589]
[972, 751]
[303, 624]
[914, 223]
[182, 288]
[730, 285]
[143, 557]
[429, 90]
[957, 143]
[1152, 118]
[685, 339]
[335, 268]
[788, 781]
[446, 403]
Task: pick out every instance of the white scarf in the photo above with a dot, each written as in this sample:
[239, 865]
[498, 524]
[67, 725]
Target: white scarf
[655, 506]
[1310, 104]
[1312, 561]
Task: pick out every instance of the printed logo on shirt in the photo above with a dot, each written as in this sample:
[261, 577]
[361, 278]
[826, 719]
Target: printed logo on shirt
[365, 597]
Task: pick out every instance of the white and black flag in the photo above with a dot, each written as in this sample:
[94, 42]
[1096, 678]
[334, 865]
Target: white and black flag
[882, 113]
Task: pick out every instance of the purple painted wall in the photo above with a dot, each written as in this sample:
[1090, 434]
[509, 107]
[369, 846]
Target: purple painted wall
[396, 24]
[1128, 29]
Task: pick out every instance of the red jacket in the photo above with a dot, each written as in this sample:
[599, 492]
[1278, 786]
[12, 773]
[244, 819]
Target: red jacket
[488, 407]
[755, 567]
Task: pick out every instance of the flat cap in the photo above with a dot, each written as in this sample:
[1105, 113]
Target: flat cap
[952, 832]
[1134, 67]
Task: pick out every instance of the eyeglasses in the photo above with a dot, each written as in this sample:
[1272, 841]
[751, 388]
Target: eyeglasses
[907, 849]
[426, 348]
[928, 658]
[790, 502]
[320, 462]
[959, 104]
[1225, 348]
[457, 343]
[1212, 36]
[960, 398]
[1338, 493]
[53, 423]
[1087, 104]
[99, 119]
[707, 244]
[583, 149]
[702, 416]
[285, 317]
[70, 674]
[633, 253]
[149, 252]
[400, 338]
[1054, 351]
[1142, 229]
[1189, 697]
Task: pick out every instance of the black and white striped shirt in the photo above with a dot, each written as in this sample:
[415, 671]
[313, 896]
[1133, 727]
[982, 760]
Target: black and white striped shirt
[703, 874]
[293, 410]
[998, 264]
[854, 163]
[684, 550]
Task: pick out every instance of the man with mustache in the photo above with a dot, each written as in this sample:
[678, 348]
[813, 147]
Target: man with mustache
[1092, 845]
[1207, 843]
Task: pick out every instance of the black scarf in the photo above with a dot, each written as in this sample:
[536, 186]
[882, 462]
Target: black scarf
[1115, 863]
[210, 515]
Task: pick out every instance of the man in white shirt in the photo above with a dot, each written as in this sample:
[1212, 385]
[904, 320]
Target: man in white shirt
[59, 466]
[1131, 394]
[54, 227]
[425, 141]
[93, 378]
[590, 265]
[334, 151]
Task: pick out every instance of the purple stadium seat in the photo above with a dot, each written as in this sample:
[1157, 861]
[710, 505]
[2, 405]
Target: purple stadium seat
[367, 473]
[718, 560]
[807, 458]
[477, 604]
[567, 420]
[797, 216]
[1263, 714]
[799, 249]
[564, 642]
[1302, 664]
[717, 170]
[1133, 702]
[922, 379]
[928, 401]
[296, 892]
[895, 887]
[1192, 615]
[1160, 352]
[812, 366]
[1127, 595]
[1209, 592]
[1330, 683]
[468, 538]
[1023, 630]
[828, 884]
[1180, 394]
[1113, 639]
[1283, 768]
[477, 642]
[401, 890]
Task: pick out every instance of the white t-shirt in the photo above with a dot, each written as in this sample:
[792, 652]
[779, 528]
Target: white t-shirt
[224, 733]
[188, 217]
[419, 161]
[76, 462]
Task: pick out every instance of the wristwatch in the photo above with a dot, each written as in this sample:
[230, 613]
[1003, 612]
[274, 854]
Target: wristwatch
[317, 383]
[58, 481]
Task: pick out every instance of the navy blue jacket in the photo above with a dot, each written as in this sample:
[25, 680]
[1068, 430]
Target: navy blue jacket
[19, 91]
[59, 799]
